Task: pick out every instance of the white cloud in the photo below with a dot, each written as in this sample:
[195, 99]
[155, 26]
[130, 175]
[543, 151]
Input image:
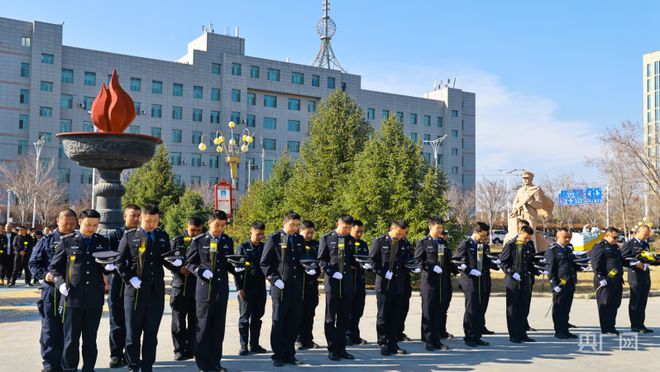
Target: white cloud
[514, 129]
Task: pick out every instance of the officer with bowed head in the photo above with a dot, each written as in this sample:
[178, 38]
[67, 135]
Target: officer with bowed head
[310, 294]
[562, 274]
[607, 263]
[636, 252]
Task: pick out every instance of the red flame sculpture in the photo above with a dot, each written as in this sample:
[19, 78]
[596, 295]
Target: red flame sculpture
[112, 109]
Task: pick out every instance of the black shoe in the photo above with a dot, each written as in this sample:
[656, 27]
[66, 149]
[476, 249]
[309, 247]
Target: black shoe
[220, 368]
[334, 356]
[300, 346]
[571, 325]
[530, 329]
[447, 336]
[570, 335]
[293, 361]
[440, 346]
[481, 342]
[636, 330]
[360, 341]
[470, 343]
[515, 340]
[117, 362]
[345, 355]
[611, 332]
[646, 330]
[430, 347]
[527, 339]
[11, 285]
[278, 363]
[487, 331]
[385, 351]
[258, 349]
[244, 350]
[562, 336]
[311, 345]
[397, 350]
[404, 337]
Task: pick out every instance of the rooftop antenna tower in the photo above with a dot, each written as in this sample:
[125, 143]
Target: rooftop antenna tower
[326, 29]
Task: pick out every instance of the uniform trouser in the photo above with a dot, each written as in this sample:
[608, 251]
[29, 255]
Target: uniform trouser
[561, 308]
[116, 315]
[252, 308]
[309, 303]
[211, 317]
[184, 321]
[357, 310]
[485, 295]
[79, 322]
[640, 285]
[142, 322]
[388, 318]
[476, 301]
[287, 310]
[404, 312]
[609, 300]
[6, 266]
[435, 304]
[337, 309]
[52, 335]
[516, 298]
[528, 303]
[20, 265]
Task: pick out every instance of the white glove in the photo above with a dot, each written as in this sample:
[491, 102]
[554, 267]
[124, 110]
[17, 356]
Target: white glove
[634, 263]
[63, 290]
[207, 274]
[337, 275]
[367, 266]
[417, 270]
[177, 263]
[238, 269]
[279, 284]
[516, 276]
[389, 275]
[545, 272]
[646, 267]
[603, 283]
[135, 282]
[110, 267]
[462, 267]
[475, 272]
[557, 289]
[497, 262]
[437, 269]
[310, 272]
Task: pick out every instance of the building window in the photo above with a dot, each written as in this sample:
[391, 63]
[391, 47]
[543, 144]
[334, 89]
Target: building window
[24, 96]
[215, 117]
[25, 70]
[413, 119]
[270, 144]
[177, 90]
[177, 112]
[66, 101]
[371, 114]
[273, 74]
[426, 137]
[454, 151]
[236, 95]
[413, 136]
[311, 106]
[175, 158]
[22, 147]
[216, 68]
[46, 86]
[294, 104]
[297, 78]
[385, 114]
[294, 125]
[176, 135]
[65, 125]
[198, 92]
[197, 115]
[26, 41]
[254, 72]
[454, 113]
[156, 132]
[214, 162]
[90, 78]
[86, 176]
[252, 99]
[156, 87]
[67, 75]
[196, 137]
[195, 180]
[454, 170]
[270, 123]
[87, 126]
[250, 121]
[438, 121]
[427, 120]
[23, 121]
[177, 179]
[316, 81]
[268, 167]
[215, 94]
[454, 133]
[293, 146]
[48, 59]
[195, 161]
[87, 103]
[331, 82]
[156, 111]
[270, 101]
[137, 106]
[236, 69]
[236, 116]
[399, 117]
[136, 84]
[135, 129]
[63, 175]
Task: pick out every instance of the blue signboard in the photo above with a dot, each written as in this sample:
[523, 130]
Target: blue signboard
[592, 195]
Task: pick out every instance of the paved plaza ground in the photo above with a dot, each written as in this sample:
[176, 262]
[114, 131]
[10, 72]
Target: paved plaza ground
[19, 334]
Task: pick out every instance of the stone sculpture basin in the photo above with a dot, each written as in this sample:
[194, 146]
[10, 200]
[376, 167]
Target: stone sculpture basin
[109, 151]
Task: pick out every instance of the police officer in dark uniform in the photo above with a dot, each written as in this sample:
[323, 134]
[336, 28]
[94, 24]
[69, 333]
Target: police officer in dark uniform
[251, 286]
[117, 336]
[207, 259]
[360, 292]
[141, 265]
[280, 263]
[607, 264]
[639, 277]
[563, 278]
[472, 255]
[6, 243]
[435, 258]
[182, 295]
[79, 278]
[336, 260]
[310, 285]
[388, 254]
[52, 336]
[23, 244]
[517, 262]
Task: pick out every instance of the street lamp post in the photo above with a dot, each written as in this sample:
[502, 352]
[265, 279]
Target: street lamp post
[38, 146]
[9, 192]
[435, 146]
[507, 174]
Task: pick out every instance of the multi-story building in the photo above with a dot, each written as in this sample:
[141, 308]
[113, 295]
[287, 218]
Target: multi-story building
[651, 89]
[47, 87]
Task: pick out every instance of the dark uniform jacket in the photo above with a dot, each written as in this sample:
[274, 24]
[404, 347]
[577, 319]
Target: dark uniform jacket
[361, 248]
[43, 254]
[633, 249]
[430, 252]
[382, 261]
[74, 265]
[139, 258]
[209, 253]
[336, 255]
[23, 244]
[607, 262]
[5, 246]
[468, 253]
[289, 269]
[252, 277]
[561, 265]
[312, 253]
[517, 259]
[180, 247]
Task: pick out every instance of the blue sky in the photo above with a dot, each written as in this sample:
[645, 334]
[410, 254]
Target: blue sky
[558, 71]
